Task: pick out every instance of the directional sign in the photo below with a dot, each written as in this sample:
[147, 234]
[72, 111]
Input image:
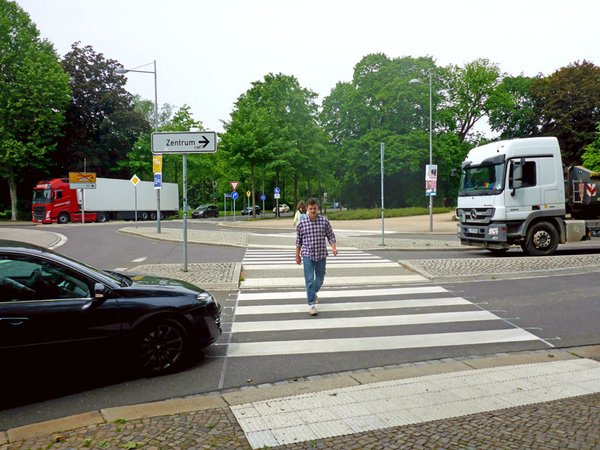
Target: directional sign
[234, 195]
[157, 180]
[184, 142]
[263, 197]
[82, 180]
[234, 185]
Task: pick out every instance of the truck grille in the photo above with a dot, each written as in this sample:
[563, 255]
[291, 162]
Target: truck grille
[39, 212]
[475, 215]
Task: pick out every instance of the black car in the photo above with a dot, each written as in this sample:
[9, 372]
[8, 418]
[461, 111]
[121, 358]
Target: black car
[204, 211]
[247, 211]
[58, 309]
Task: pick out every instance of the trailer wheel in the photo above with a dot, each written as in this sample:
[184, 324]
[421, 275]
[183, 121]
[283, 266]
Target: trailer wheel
[144, 215]
[541, 240]
[63, 218]
[102, 217]
[152, 216]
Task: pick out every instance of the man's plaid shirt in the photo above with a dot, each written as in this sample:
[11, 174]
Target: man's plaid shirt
[310, 237]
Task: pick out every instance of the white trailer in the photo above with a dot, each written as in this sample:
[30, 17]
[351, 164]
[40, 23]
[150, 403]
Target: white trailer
[117, 199]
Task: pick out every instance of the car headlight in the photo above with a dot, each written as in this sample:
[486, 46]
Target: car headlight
[205, 299]
[493, 231]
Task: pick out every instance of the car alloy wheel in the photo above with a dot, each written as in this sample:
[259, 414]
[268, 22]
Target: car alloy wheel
[162, 347]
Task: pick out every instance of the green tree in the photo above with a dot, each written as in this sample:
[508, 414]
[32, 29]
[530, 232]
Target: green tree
[274, 127]
[568, 104]
[34, 92]
[471, 92]
[591, 155]
[512, 110]
[101, 121]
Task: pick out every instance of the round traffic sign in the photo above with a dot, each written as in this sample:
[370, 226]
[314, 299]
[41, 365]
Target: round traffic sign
[235, 195]
[263, 197]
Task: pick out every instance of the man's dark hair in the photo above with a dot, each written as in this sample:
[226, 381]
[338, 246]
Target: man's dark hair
[312, 201]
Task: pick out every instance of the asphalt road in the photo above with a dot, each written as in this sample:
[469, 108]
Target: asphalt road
[559, 311]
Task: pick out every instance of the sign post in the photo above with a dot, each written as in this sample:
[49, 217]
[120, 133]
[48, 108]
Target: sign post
[82, 180]
[276, 195]
[157, 170]
[182, 143]
[135, 180]
[263, 197]
[234, 195]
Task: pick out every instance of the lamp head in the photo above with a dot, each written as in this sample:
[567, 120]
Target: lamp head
[415, 81]
[121, 70]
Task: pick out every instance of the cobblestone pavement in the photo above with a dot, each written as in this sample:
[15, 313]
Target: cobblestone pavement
[219, 276]
[439, 270]
[573, 423]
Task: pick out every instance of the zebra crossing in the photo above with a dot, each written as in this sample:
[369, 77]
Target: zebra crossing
[271, 268]
[354, 317]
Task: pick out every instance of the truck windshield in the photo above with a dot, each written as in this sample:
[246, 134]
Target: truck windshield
[41, 196]
[482, 180]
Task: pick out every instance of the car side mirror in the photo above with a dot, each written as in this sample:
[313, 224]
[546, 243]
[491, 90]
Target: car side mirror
[100, 291]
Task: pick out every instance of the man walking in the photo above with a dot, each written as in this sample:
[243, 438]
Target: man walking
[310, 244]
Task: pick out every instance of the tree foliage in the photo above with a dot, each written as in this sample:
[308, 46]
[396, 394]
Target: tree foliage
[101, 121]
[512, 110]
[568, 104]
[34, 92]
[273, 127]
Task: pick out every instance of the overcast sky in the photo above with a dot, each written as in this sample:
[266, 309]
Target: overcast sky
[208, 52]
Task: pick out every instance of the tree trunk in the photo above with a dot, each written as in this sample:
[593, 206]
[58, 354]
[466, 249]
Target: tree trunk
[12, 187]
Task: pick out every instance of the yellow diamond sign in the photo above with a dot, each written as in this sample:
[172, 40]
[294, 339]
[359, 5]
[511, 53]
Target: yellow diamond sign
[135, 180]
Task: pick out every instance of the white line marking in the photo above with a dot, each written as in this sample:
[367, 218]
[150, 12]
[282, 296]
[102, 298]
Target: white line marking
[362, 322]
[138, 260]
[332, 281]
[340, 265]
[362, 306]
[341, 293]
[308, 346]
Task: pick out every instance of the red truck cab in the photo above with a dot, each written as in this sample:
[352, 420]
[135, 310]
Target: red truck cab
[54, 201]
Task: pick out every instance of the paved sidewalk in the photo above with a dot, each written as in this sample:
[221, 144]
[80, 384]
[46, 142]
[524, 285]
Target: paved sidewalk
[543, 400]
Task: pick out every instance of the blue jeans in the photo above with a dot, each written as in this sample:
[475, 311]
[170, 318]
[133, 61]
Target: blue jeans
[314, 274]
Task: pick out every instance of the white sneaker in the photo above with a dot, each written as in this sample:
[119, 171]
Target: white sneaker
[312, 310]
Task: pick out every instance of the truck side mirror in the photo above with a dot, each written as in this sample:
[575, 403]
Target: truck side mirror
[517, 176]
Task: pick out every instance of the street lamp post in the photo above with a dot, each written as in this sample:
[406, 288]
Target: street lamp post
[122, 70]
[417, 81]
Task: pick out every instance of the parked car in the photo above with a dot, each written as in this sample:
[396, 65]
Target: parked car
[204, 211]
[55, 308]
[283, 208]
[247, 211]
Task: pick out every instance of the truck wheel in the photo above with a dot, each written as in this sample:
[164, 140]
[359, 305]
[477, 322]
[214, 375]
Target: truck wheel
[152, 216]
[144, 215]
[102, 217]
[63, 218]
[541, 240]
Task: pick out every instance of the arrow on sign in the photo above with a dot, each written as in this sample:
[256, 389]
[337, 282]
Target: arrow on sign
[203, 143]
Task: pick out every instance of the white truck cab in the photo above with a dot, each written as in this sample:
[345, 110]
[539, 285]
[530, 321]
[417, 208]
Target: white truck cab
[513, 193]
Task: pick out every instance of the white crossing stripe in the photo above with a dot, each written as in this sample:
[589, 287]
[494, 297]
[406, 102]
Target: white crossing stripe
[343, 293]
[337, 264]
[362, 322]
[311, 346]
[138, 260]
[332, 281]
[355, 306]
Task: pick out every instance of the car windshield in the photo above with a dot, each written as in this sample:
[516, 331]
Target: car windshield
[41, 196]
[119, 279]
[484, 179]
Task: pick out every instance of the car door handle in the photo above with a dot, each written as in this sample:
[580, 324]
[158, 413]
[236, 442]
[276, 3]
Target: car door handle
[15, 321]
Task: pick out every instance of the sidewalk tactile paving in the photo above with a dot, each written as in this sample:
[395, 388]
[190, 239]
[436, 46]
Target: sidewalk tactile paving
[422, 399]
